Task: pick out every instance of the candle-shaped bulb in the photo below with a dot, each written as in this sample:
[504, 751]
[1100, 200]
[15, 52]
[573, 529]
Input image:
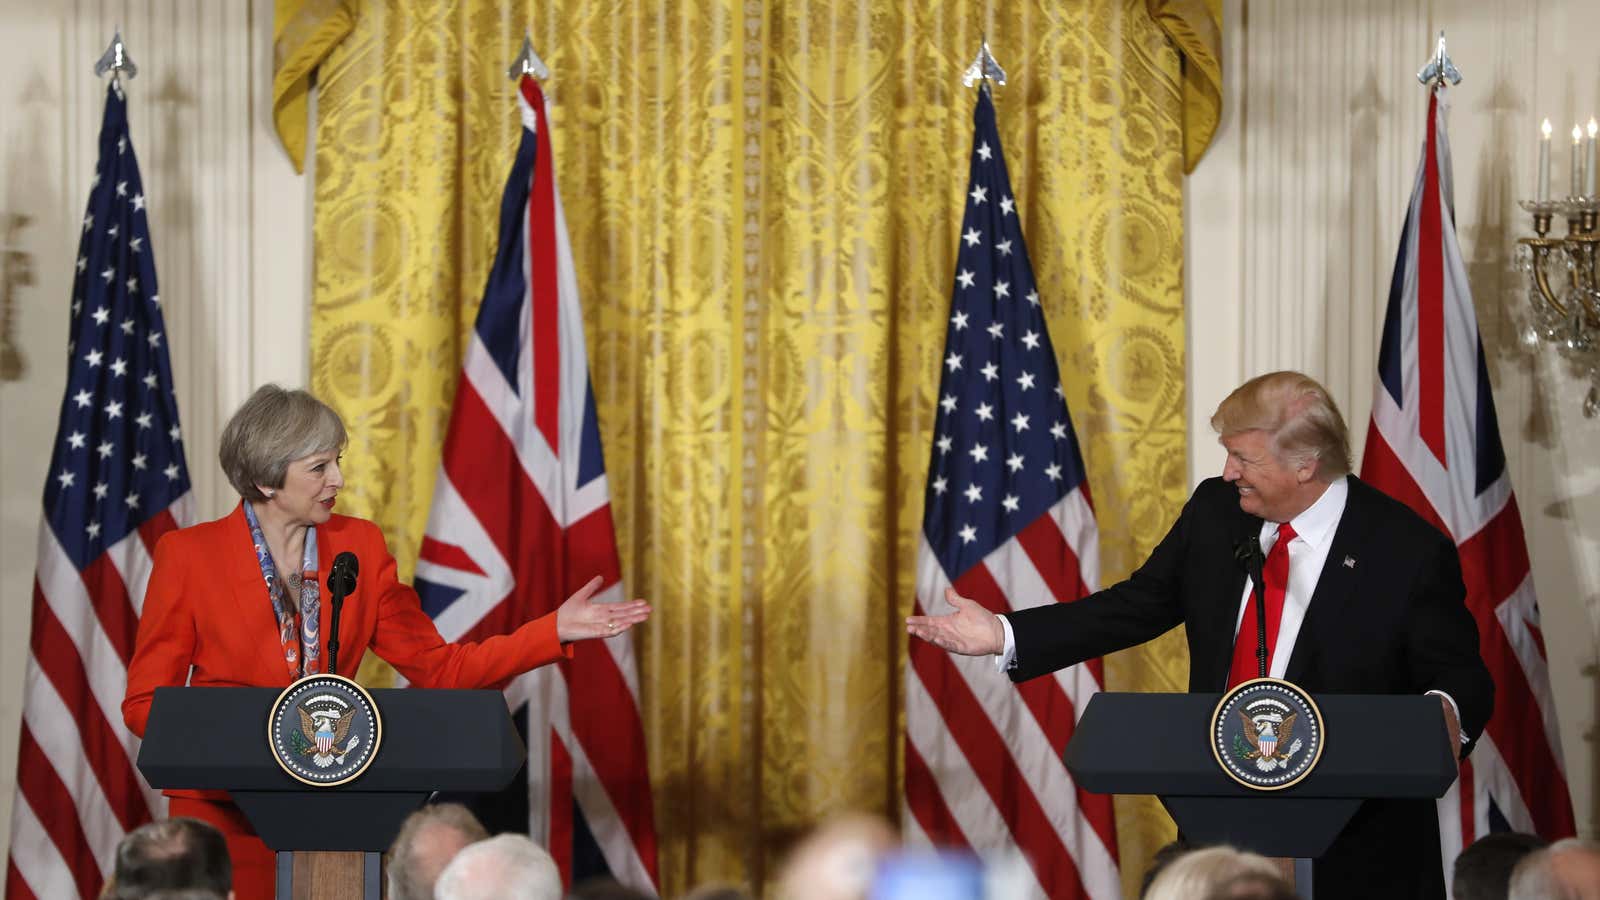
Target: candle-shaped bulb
[1577, 134]
[1590, 162]
[1541, 192]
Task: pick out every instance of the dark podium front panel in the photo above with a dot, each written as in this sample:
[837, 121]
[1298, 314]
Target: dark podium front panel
[1375, 746]
[432, 740]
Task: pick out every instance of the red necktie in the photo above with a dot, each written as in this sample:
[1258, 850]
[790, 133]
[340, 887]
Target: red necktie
[1276, 575]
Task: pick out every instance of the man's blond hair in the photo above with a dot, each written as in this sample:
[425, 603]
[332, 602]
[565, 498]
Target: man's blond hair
[1296, 413]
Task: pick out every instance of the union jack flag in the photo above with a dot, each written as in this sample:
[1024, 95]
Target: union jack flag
[1007, 521]
[1434, 443]
[117, 483]
[521, 519]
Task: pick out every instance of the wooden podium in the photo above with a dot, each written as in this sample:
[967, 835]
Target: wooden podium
[330, 840]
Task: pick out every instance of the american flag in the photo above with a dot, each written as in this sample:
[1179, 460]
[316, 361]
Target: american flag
[1434, 443]
[1007, 521]
[117, 482]
[521, 518]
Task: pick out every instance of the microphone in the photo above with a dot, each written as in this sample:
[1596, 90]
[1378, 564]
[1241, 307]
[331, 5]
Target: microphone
[1250, 558]
[341, 584]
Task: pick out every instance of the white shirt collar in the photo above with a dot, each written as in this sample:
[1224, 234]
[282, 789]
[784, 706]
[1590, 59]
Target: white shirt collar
[1317, 522]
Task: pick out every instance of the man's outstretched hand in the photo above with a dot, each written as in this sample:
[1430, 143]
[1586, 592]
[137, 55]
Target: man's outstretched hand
[970, 630]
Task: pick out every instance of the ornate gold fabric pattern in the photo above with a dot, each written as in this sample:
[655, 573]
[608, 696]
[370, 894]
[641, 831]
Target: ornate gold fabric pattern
[763, 200]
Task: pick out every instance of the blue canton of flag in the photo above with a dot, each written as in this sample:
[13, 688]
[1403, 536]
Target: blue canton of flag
[1004, 450]
[118, 459]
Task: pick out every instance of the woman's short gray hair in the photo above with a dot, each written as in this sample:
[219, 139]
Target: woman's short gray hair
[1199, 872]
[273, 428]
[1299, 416]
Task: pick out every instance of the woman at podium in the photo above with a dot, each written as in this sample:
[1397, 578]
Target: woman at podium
[240, 602]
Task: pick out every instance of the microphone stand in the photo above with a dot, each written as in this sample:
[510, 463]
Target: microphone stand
[333, 639]
[341, 583]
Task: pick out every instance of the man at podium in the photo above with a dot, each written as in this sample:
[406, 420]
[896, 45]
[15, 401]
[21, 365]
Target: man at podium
[237, 602]
[1362, 596]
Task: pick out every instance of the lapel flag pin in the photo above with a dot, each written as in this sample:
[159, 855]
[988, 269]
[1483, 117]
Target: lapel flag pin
[1349, 562]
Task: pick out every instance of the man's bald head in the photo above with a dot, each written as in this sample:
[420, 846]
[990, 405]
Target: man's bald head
[429, 838]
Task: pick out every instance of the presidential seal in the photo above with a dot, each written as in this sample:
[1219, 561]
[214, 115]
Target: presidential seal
[1267, 734]
[324, 730]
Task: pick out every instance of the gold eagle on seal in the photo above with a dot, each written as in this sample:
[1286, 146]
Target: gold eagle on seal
[326, 731]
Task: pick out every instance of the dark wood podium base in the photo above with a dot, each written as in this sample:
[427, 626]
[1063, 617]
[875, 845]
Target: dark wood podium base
[329, 875]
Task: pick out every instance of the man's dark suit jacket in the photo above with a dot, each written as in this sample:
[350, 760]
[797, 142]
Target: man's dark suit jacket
[1394, 622]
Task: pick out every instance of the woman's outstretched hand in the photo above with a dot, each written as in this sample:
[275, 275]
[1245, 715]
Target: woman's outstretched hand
[580, 618]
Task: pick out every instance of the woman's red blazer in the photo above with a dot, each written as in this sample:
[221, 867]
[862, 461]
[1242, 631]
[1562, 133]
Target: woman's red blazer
[206, 606]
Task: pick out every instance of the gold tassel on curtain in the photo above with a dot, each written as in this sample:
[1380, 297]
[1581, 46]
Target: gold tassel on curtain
[763, 200]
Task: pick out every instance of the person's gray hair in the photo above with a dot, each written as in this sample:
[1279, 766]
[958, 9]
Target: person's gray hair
[1199, 872]
[411, 874]
[504, 867]
[273, 428]
[1536, 878]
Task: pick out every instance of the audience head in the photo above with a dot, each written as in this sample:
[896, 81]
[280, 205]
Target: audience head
[179, 854]
[1159, 861]
[429, 838]
[1565, 870]
[1199, 873]
[505, 867]
[1253, 886]
[838, 860]
[1483, 870]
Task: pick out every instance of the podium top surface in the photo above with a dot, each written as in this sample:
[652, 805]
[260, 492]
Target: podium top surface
[1150, 743]
[433, 740]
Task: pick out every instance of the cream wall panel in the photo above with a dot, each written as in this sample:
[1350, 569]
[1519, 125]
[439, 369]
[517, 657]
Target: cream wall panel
[228, 220]
[1294, 219]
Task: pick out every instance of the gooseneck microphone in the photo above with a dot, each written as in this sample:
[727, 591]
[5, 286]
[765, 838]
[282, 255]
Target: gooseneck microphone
[1248, 553]
[341, 584]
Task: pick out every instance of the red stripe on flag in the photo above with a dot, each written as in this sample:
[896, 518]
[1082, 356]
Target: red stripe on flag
[969, 726]
[1489, 562]
[1382, 469]
[561, 807]
[1058, 564]
[1467, 792]
[151, 529]
[1496, 558]
[1048, 701]
[447, 555]
[927, 804]
[1430, 298]
[16, 888]
[108, 594]
[544, 290]
[42, 788]
[58, 659]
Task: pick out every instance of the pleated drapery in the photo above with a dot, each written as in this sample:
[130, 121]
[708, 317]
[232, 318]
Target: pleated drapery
[763, 200]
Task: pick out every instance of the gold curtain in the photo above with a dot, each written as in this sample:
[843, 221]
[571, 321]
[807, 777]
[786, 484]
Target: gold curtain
[763, 200]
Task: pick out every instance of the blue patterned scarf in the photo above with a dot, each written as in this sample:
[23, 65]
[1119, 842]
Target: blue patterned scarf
[306, 645]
